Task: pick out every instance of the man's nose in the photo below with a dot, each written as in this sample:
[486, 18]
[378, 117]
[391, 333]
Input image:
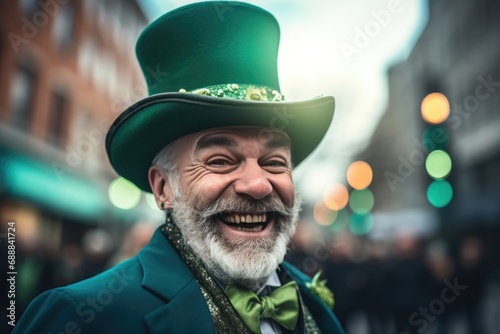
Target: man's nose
[253, 181]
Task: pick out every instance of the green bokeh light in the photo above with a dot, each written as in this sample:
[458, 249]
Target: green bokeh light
[439, 193]
[123, 193]
[438, 164]
[151, 201]
[341, 221]
[361, 224]
[361, 201]
[435, 137]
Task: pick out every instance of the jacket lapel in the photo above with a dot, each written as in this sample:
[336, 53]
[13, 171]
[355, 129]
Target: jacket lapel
[186, 313]
[323, 315]
[168, 277]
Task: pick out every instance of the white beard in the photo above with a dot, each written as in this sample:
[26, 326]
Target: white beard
[248, 262]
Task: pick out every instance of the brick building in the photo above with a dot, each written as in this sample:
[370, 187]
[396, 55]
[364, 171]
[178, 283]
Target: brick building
[68, 68]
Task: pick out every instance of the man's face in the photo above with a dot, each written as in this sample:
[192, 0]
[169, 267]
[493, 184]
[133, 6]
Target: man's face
[235, 205]
[238, 163]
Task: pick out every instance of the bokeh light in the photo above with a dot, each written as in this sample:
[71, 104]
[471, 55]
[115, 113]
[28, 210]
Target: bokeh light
[123, 193]
[438, 164]
[435, 108]
[435, 137]
[151, 201]
[440, 193]
[359, 175]
[361, 224]
[361, 201]
[336, 196]
[341, 221]
[323, 215]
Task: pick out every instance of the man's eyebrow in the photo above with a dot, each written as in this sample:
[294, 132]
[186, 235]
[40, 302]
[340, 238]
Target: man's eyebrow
[282, 142]
[210, 141]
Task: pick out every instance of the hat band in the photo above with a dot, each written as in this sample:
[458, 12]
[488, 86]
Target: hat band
[239, 92]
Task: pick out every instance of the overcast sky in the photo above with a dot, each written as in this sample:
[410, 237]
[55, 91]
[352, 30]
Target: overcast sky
[339, 48]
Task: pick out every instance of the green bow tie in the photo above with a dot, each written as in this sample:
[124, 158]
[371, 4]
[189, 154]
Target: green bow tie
[281, 305]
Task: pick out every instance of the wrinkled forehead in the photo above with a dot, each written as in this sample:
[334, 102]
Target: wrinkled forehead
[233, 136]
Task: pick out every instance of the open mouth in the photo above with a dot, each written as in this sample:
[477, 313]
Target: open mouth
[246, 222]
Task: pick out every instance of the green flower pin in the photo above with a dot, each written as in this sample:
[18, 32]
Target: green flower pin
[321, 290]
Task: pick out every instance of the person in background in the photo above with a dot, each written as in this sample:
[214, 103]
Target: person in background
[472, 275]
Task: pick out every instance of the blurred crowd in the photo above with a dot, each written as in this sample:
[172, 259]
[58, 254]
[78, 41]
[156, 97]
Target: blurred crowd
[403, 284]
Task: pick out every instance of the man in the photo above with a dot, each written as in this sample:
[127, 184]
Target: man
[215, 143]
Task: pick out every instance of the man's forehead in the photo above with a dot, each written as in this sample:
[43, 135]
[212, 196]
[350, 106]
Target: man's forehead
[233, 136]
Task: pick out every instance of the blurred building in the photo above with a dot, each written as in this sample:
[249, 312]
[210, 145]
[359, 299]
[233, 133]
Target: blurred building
[458, 55]
[68, 69]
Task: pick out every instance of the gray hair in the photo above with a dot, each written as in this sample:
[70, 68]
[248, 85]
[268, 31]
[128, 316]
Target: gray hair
[166, 161]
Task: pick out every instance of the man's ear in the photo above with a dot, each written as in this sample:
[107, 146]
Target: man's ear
[159, 183]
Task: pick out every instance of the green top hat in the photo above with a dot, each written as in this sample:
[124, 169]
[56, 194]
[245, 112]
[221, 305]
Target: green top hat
[209, 65]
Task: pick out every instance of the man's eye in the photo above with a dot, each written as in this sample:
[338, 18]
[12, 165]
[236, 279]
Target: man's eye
[218, 162]
[276, 163]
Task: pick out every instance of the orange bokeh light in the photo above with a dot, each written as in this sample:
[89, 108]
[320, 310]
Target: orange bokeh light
[336, 197]
[435, 108]
[359, 175]
[323, 215]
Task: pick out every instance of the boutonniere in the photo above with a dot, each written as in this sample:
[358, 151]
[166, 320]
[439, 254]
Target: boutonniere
[320, 289]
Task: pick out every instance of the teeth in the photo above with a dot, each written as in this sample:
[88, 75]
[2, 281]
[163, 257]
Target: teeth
[249, 229]
[235, 218]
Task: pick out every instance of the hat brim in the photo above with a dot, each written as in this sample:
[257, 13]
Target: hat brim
[146, 127]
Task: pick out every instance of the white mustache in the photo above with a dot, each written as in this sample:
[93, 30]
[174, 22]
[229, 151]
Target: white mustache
[229, 204]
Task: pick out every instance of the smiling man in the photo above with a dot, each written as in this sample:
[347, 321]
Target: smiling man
[215, 142]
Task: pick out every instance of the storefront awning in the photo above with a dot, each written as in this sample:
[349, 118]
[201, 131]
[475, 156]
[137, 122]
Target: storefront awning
[37, 182]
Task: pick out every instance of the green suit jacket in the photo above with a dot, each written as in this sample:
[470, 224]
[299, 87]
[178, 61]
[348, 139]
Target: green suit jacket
[153, 292]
